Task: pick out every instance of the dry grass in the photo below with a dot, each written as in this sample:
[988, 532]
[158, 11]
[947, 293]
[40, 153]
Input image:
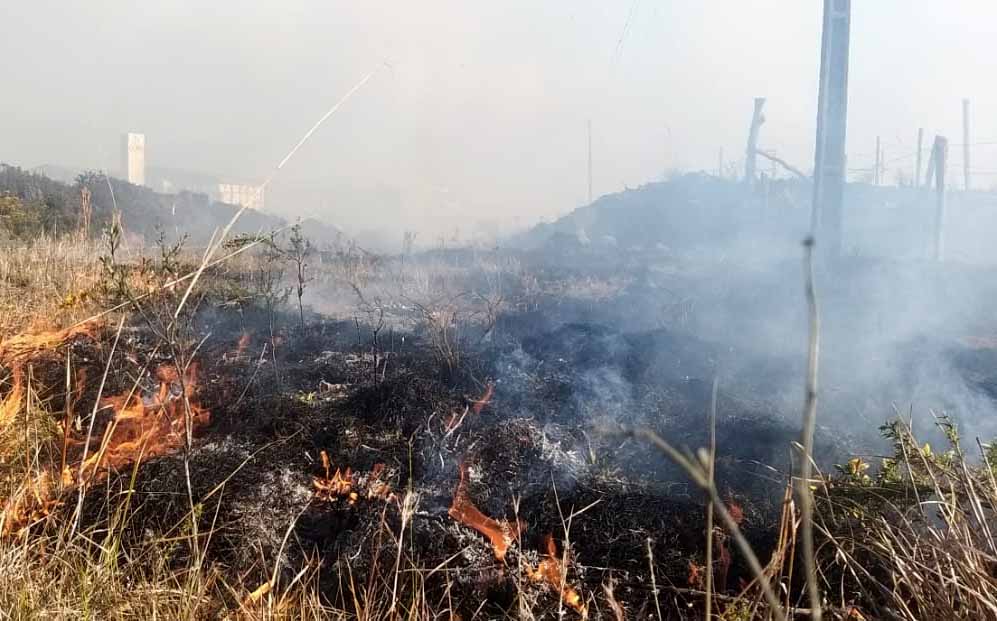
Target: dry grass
[47, 283]
[912, 541]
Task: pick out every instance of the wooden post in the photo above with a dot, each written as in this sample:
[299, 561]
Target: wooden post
[832, 120]
[940, 151]
[875, 173]
[917, 166]
[757, 118]
[965, 142]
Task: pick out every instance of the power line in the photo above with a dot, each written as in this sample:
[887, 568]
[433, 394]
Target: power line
[626, 28]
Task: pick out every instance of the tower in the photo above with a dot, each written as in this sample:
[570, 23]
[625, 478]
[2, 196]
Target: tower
[133, 158]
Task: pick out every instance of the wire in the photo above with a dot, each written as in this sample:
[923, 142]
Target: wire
[626, 28]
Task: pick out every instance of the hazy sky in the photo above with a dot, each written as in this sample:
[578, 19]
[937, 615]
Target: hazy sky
[482, 113]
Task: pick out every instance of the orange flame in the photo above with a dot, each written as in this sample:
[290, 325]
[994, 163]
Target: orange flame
[455, 420]
[552, 571]
[28, 505]
[334, 485]
[139, 427]
[377, 487]
[501, 533]
[243, 344]
[736, 511]
[240, 348]
[152, 426]
[484, 400]
[26, 344]
[11, 403]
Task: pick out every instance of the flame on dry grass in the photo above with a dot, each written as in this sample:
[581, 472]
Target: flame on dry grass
[150, 426]
[377, 487]
[139, 426]
[455, 420]
[485, 399]
[241, 346]
[25, 345]
[553, 571]
[12, 402]
[501, 533]
[28, 505]
[334, 485]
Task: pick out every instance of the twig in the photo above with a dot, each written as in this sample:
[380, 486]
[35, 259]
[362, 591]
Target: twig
[796, 171]
[712, 423]
[654, 582]
[697, 472]
[78, 514]
[809, 423]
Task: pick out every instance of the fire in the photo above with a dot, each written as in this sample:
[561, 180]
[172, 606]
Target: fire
[28, 505]
[455, 420]
[334, 485]
[501, 533]
[11, 403]
[695, 578]
[24, 345]
[552, 571]
[140, 425]
[736, 511]
[152, 425]
[243, 344]
[480, 404]
[352, 485]
[240, 348]
[377, 487]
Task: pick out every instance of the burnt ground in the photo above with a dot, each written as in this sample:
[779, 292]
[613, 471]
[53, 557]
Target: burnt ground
[542, 449]
[566, 373]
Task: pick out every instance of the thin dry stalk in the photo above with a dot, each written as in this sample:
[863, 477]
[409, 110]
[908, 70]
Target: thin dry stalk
[697, 472]
[711, 470]
[809, 424]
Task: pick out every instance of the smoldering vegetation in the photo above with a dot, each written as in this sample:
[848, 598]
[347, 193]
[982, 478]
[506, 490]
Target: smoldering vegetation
[449, 432]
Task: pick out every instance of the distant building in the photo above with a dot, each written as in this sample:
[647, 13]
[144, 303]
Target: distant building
[250, 196]
[133, 158]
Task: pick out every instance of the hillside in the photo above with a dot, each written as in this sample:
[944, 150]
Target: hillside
[697, 211]
[33, 204]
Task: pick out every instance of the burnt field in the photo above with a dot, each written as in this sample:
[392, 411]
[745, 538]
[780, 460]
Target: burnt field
[462, 434]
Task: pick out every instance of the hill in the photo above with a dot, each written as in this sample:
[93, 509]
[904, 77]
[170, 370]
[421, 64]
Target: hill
[33, 204]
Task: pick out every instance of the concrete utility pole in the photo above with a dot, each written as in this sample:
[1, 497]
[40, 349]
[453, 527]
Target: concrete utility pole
[965, 141]
[757, 118]
[879, 163]
[832, 115]
[720, 163]
[917, 169]
[929, 175]
[939, 154]
[590, 159]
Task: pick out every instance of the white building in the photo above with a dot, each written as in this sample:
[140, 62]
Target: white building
[133, 157]
[250, 196]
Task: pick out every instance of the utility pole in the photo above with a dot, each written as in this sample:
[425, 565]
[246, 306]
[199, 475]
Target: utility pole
[757, 118]
[965, 142]
[879, 163]
[832, 116]
[720, 163]
[917, 169]
[929, 175]
[939, 154]
[590, 159]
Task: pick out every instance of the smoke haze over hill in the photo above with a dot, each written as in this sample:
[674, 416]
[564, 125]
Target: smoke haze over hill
[481, 116]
